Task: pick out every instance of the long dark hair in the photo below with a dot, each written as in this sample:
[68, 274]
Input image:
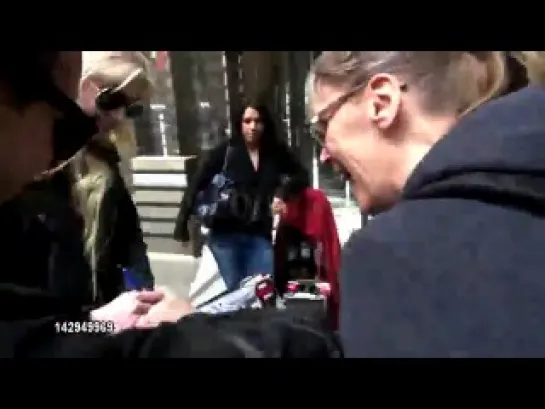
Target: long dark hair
[269, 138]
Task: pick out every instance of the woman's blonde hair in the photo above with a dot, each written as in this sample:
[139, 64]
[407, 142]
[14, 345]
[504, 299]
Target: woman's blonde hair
[92, 176]
[534, 61]
[124, 70]
[129, 71]
[449, 81]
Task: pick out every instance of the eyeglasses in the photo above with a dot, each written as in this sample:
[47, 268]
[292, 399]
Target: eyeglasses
[320, 122]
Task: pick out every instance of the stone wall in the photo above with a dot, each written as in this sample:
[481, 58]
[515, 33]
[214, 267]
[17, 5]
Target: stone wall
[158, 185]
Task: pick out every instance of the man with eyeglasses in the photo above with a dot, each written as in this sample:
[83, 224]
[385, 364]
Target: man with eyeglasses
[40, 124]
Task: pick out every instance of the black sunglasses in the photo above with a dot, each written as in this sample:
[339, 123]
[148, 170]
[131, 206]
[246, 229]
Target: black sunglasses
[110, 99]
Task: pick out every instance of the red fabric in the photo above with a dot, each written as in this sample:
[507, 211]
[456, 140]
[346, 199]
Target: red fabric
[311, 213]
[161, 59]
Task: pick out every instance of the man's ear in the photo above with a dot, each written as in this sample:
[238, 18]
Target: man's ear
[384, 91]
[87, 95]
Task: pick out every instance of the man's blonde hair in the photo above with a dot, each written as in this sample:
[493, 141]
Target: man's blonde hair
[453, 81]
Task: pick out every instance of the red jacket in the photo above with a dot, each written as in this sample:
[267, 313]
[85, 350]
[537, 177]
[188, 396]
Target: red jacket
[311, 213]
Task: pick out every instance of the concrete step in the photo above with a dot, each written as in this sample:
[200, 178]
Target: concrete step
[174, 271]
[164, 245]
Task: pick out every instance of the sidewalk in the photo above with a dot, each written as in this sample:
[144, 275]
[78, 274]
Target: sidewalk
[174, 270]
[178, 271]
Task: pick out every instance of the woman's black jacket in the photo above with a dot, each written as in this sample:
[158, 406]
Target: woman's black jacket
[119, 241]
[279, 174]
[28, 318]
[52, 232]
[42, 228]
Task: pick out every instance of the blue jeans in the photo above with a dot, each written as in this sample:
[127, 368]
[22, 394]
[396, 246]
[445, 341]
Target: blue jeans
[240, 256]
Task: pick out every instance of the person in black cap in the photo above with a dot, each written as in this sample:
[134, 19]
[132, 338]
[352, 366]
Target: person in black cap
[80, 215]
[39, 123]
[51, 230]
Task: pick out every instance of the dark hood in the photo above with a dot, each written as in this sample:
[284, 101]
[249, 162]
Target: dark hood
[495, 154]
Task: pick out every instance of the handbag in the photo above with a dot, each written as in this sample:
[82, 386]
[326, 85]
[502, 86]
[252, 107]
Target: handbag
[214, 202]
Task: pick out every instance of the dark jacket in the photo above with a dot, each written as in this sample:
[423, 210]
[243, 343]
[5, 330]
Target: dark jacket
[279, 174]
[456, 269]
[48, 231]
[28, 317]
[29, 311]
[120, 241]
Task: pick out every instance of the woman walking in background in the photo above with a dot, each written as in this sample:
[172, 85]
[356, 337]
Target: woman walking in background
[263, 174]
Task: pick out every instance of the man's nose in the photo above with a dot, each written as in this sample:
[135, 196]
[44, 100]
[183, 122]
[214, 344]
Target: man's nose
[324, 155]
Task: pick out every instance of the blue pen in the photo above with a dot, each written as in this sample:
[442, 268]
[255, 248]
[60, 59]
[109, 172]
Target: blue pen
[133, 281]
[130, 282]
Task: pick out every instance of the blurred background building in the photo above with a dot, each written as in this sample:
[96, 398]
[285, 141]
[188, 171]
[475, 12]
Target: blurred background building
[198, 92]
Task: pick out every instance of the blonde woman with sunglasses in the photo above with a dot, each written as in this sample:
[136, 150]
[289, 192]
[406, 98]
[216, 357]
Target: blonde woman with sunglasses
[80, 214]
[114, 85]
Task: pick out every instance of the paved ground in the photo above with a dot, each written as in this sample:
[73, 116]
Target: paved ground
[177, 271]
[174, 270]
